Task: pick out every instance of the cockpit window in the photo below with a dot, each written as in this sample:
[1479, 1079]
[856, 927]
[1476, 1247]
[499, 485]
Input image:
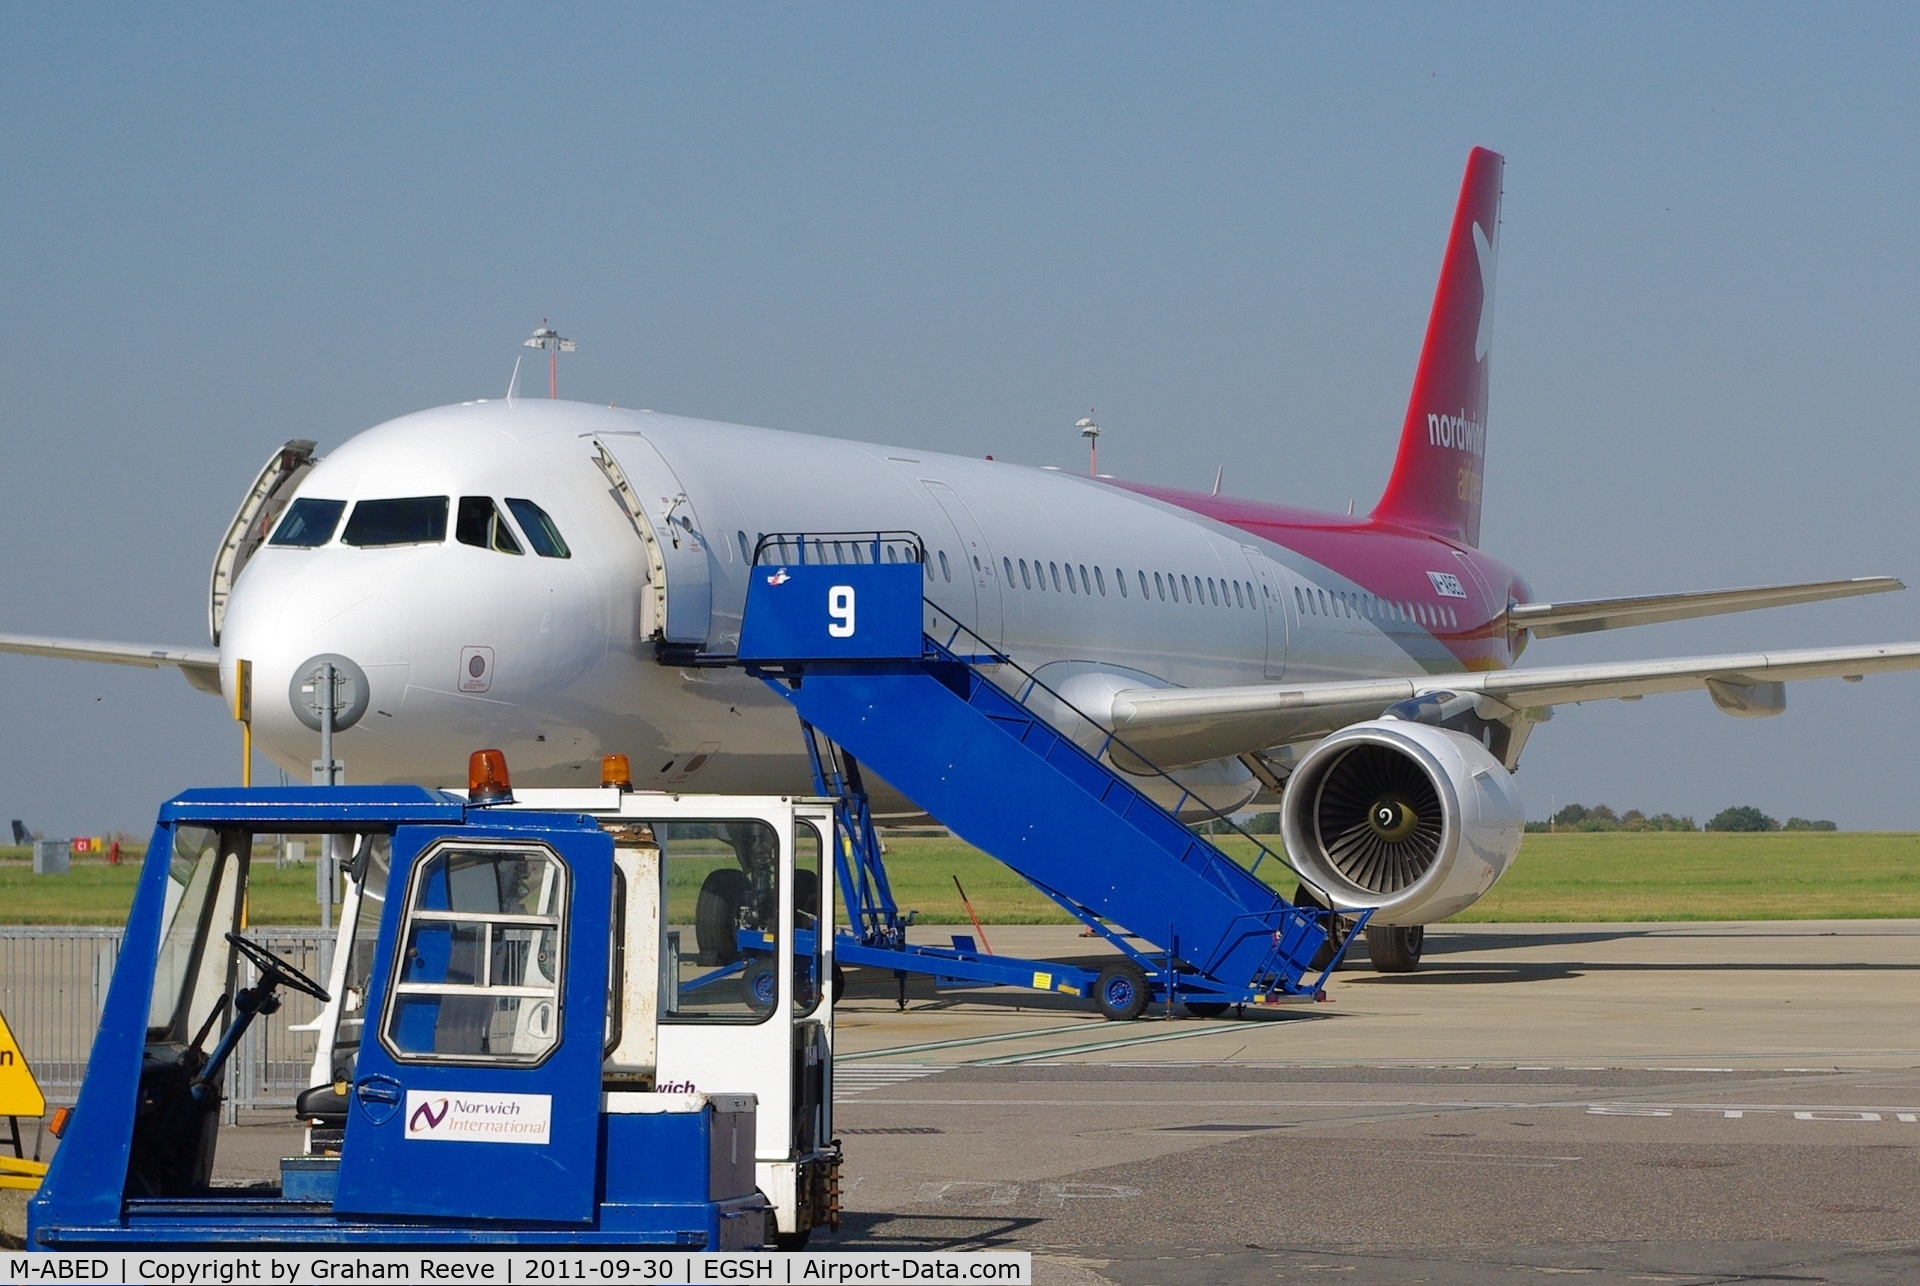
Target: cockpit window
[541, 533]
[415, 520]
[481, 525]
[309, 522]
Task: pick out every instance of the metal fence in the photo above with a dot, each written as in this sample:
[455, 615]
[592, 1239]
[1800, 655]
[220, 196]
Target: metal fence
[53, 981]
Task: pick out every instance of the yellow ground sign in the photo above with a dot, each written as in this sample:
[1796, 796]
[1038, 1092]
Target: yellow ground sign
[19, 1093]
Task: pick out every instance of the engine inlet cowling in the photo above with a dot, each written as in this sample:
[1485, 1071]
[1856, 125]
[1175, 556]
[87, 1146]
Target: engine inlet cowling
[1412, 820]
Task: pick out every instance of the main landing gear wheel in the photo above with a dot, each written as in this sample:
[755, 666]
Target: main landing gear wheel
[716, 916]
[839, 985]
[1121, 993]
[1395, 948]
[269, 964]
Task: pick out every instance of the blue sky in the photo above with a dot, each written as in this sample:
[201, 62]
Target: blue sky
[960, 228]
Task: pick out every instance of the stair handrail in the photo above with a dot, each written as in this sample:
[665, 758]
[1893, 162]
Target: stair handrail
[879, 541]
[814, 553]
[1109, 738]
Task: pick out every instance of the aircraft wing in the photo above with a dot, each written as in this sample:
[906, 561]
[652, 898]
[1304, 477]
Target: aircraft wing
[1552, 620]
[201, 669]
[1176, 727]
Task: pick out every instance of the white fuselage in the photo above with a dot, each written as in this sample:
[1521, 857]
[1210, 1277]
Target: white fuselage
[572, 671]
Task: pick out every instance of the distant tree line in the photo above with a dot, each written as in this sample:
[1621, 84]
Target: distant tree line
[1743, 817]
[1578, 817]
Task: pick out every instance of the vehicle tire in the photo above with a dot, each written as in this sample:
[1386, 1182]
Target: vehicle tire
[792, 1241]
[1324, 956]
[1207, 1008]
[1395, 948]
[839, 984]
[716, 916]
[760, 985]
[1121, 992]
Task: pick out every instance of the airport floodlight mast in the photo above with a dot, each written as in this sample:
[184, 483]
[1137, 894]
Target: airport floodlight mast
[1091, 432]
[555, 344]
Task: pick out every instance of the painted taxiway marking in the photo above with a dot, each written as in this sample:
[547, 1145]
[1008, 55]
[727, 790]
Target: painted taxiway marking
[1008, 1060]
[1801, 1111]
[961, 1042]
[987, 1192]
[855, 1081]
[1729, 1111]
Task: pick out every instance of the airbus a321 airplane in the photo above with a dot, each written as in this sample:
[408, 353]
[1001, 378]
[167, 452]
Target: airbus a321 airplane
[533, 575]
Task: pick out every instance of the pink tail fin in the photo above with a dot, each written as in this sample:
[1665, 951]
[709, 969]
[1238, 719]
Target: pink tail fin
[1437, 475]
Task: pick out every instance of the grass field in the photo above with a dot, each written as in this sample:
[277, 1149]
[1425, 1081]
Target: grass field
[1594, 877]
[94, 893]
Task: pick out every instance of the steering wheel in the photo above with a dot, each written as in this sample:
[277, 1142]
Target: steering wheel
[272, 965]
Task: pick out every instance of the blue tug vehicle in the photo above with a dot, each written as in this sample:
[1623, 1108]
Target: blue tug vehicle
[506, 990]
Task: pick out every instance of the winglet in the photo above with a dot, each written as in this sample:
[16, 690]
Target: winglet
[1437, 476]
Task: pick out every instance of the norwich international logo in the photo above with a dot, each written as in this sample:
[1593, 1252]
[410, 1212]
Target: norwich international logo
[427, 1116]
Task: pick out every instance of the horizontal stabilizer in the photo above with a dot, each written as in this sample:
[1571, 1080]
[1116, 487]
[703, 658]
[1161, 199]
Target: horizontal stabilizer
[202, 669]
[1175, 727]
[1552, 620]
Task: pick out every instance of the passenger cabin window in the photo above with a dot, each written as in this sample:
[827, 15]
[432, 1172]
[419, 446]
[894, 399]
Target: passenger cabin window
[481, 957]
[413, 520]
[481, 525]
[540, 531]
[308, 523]
[723, 920]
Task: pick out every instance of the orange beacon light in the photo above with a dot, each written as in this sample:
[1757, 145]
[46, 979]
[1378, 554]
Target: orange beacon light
[487, 781]
[615, 773]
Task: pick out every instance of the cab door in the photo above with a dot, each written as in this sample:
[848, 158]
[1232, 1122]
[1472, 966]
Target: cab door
[476, 1094]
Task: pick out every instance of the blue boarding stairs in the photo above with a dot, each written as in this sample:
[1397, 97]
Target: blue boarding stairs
[839, 626]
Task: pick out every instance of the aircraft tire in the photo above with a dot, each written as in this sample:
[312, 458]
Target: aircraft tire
[839, 984]
[1121, 992]
[792, 1241]
[1395, 948]
[716, 916]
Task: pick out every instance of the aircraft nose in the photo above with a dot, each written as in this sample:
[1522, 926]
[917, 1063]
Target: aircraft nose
[292, 614]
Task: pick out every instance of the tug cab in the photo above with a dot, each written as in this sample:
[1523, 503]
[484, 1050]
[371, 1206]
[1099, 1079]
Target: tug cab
[591, 1020]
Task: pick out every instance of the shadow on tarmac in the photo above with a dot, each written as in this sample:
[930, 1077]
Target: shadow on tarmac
[898, 1232]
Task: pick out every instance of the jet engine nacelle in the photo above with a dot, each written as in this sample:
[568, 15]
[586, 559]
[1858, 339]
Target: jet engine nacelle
[1412, 820]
